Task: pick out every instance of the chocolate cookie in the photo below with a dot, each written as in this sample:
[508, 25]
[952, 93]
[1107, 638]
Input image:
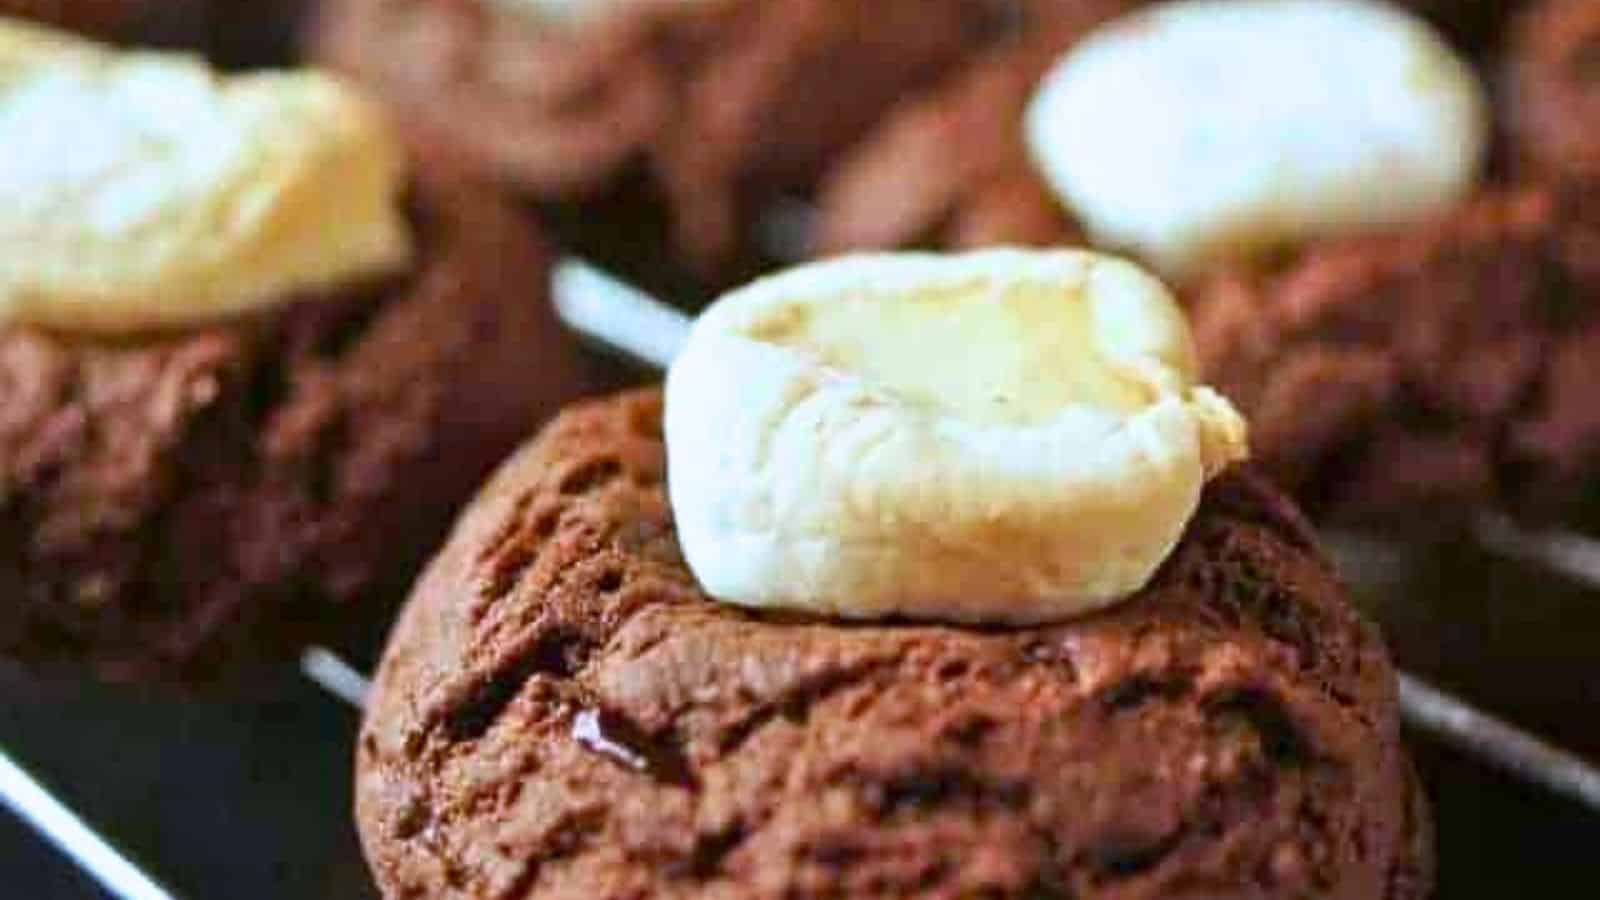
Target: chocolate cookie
[715, 108]
[1438, 364]
[562, 713]
[1554, 96]
[1438, 368]
[176, 505]
[949, 168]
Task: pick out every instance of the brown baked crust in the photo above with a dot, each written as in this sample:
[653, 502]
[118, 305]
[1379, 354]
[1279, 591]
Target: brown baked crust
[171, 507]
[1554, 89]
[949, 169]
[1443, 368]
[724, 104]
[561, 713]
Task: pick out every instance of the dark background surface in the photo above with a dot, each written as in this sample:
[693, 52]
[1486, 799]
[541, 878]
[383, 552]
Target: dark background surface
[227, 799]
[251, 798]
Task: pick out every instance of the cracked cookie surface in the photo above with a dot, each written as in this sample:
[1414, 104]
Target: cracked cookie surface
[562, 713]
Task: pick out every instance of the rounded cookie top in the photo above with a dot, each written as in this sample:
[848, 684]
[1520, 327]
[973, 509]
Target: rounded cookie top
[177, 506]
[727, 106]
[1443, 367]
[561, 712]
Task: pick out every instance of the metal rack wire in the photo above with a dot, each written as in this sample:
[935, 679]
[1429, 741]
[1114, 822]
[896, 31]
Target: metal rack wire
[34, 804]
[627, 321]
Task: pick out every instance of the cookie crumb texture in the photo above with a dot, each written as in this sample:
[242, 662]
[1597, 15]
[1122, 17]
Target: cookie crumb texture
[1450, 366]
[561, 713]
[172, 507]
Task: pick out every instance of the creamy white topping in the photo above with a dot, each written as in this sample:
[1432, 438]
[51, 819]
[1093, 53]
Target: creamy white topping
[1196, 131]
[145, 191]
[1005, 436]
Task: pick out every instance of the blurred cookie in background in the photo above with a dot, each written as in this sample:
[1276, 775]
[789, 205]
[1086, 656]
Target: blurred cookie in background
[950, 167]
[678, 123]
[244, 380]
[1419, 376]
[1417, 350]
[1156, 132]
[1554, 89]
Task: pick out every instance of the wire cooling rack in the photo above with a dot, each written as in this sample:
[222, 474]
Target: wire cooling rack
[624, 320]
